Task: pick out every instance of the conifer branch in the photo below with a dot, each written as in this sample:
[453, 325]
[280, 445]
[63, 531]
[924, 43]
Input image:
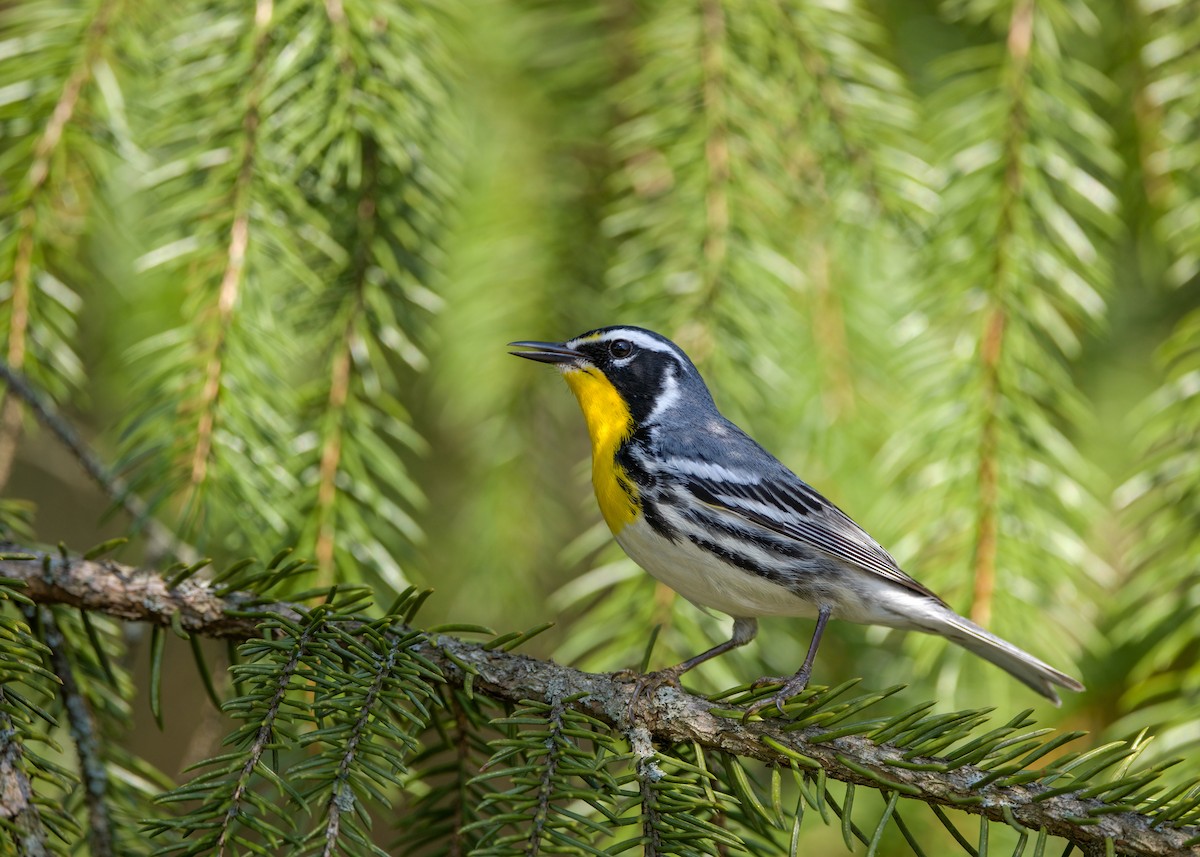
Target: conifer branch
[225, 239]
[384, 198]
[650, 821]
[27, 222]
[1032, 800]
[987, 511]
[342, 785]
[331, 446]
[85, 732]
[1020, 276]
[830, 94]
[1020, 37]
[18, 812]
[262, 740]
[545, 792]
[341, 366]
[235, 257]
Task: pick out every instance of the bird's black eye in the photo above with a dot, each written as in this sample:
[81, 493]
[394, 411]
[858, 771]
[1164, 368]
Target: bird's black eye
[620, 348]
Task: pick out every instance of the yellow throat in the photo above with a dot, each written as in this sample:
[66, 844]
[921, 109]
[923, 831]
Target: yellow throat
[609, 424]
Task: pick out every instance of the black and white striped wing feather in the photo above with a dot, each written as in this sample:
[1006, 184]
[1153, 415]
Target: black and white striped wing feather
[790, 508]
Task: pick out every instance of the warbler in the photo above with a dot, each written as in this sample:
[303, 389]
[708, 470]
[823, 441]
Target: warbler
[703, 508]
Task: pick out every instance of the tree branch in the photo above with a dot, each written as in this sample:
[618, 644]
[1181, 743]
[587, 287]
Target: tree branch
[670, 716]
[991, 346]
[18, 812]
[23, 275]
[85, 732]
[232, 279]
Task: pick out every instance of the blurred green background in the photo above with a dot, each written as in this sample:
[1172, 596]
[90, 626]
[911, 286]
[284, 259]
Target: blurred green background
[940, 258]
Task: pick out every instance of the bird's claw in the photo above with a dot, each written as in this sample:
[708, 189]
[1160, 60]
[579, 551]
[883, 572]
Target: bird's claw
[790, 686]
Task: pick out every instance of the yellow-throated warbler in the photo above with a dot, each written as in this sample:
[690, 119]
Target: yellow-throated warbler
[701, 506]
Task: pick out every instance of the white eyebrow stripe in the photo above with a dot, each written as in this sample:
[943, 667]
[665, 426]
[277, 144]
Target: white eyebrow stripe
[641, 340]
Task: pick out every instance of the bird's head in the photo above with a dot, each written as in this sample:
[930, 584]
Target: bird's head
[623, 375]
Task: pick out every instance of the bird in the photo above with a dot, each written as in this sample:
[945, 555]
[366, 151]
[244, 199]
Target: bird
[706, 510]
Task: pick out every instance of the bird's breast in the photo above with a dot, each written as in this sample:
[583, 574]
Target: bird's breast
[609, 425]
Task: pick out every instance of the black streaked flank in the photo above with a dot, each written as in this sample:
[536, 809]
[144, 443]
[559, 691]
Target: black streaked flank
[630, 456]
[657, 523]
[706, 521]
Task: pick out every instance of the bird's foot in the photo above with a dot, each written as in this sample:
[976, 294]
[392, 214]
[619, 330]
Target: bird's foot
[648, 684]
[790, 686]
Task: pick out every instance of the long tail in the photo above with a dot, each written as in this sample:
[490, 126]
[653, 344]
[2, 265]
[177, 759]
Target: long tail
[1023, 666]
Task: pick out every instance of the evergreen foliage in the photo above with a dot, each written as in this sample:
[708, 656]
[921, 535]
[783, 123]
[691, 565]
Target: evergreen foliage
[30, 812]
[447, 766]
[61, 111]
[311, 212]
[1020, 273]
[63, 685]
[327, 715]
[331, 705]
[941, 258]
[1156, 645]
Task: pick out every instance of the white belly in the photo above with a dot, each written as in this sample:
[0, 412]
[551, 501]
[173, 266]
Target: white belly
[705, 580]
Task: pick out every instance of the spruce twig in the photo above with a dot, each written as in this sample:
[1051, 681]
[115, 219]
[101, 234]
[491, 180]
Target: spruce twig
[85, 732]
[18, 812]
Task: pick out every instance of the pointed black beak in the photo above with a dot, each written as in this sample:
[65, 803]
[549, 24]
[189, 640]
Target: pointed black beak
[545, 352]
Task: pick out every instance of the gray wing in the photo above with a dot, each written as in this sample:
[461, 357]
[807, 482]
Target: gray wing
[787, 506]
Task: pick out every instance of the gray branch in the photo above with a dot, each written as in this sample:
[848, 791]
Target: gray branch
[17, 808]
[85, 732]
[670, 716]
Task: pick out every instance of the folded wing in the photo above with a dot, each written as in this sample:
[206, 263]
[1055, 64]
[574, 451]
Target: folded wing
[788, 507]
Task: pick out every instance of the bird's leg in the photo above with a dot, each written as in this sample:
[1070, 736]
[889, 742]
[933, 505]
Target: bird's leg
[744, 630]
[797, 683]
